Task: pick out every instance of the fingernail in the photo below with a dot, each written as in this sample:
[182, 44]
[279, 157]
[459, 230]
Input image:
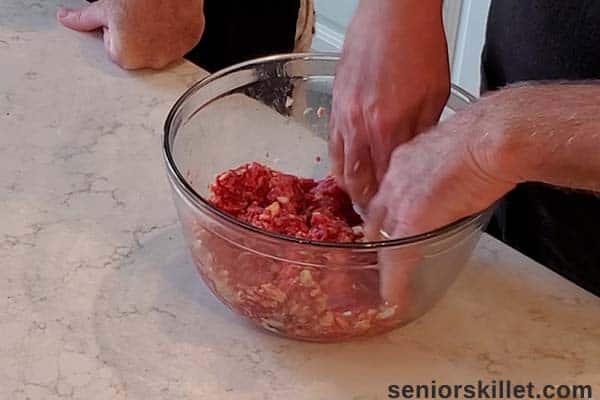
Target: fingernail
[62, 12]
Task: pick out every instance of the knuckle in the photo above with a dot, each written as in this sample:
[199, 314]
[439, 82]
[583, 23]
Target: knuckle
[381, 119]
[354, 112]
[127, 59]
[77, 15]
[160, 63]
[125, 62]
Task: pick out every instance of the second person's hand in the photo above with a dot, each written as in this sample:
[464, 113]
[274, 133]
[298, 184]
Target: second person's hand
[392, 83]
[141, 33]
[452, 171]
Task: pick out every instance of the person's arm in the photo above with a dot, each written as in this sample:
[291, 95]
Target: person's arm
[392, 83]
[547, 133]
[141, 33]
[535, 133]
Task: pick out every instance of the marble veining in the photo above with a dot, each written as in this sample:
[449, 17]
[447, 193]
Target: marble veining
[98, 299]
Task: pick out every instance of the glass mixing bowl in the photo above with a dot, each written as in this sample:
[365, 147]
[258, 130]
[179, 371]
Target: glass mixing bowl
[275, 111]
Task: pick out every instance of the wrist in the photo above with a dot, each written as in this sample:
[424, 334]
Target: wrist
[417, 4]
[495, 138]
[538, 133]
[407, 11]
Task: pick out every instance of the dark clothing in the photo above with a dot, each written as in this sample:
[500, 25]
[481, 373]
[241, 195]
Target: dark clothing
[239, 30]
[547, 40]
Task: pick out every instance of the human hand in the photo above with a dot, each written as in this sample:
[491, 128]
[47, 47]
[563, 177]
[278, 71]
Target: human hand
[141, 33]
[392, 83]
[456, 169]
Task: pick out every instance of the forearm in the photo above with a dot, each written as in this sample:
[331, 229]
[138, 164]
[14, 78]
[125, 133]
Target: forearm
[551, 134]
[393, 13]
[396, 8]
[406, 35]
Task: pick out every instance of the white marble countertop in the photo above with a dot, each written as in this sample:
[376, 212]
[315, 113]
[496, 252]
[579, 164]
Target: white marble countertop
[99, 301]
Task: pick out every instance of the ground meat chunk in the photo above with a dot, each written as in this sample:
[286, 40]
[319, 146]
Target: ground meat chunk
[286, 204]
[322, 304]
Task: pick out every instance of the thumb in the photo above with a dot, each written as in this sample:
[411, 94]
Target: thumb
[84, 19]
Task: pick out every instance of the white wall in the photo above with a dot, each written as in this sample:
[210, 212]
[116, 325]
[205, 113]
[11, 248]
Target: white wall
[333, 17]
[337, 13]
[469, 43]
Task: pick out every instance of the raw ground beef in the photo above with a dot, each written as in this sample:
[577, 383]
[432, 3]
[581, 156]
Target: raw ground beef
[286, 204]
[308, 303]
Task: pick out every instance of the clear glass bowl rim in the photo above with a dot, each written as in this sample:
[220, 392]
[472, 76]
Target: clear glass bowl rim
[201, 205]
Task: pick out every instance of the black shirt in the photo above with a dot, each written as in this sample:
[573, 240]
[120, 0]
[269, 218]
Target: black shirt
[239, 30]
[547, 40]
